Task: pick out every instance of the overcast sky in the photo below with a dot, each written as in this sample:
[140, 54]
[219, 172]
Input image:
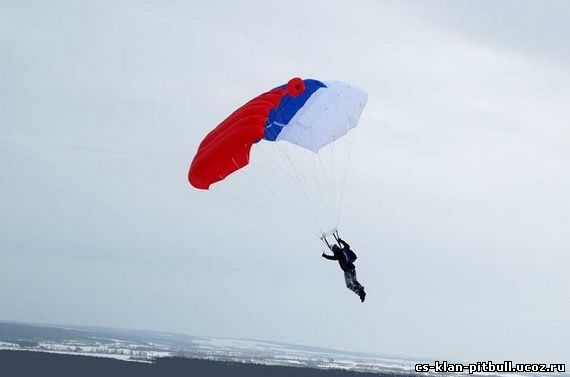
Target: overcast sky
[458, 208]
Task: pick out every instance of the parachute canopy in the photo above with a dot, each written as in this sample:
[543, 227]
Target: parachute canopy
[308, 113]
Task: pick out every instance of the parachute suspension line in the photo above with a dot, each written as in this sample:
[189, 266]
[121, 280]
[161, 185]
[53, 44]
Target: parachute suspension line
[304, 166]
[296, 207]
[267, 182]
[300, 172]
[325, 178]
[318, 185]
[273, 185]
[340, 188]
[328, 161]
[334, 182]
[338, 182]
[294, 175]
[319, 189]
[302, 184]
[345, 145]
[285, 185]
[324, 190]
[348, 147]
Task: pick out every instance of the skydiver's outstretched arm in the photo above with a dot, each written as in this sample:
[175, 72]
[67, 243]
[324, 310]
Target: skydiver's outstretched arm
[329, 257]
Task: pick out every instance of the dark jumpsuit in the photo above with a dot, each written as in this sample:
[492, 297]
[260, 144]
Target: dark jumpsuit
[348, 267]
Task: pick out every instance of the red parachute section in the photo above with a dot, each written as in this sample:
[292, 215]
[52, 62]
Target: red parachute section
[226, 148]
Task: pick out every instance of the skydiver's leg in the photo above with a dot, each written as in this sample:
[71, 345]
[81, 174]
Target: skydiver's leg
[361, 292]
[360, 286]
[351, 282]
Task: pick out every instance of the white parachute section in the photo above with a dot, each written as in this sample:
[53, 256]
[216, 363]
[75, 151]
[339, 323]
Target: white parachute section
[326, 116]
[302, 175]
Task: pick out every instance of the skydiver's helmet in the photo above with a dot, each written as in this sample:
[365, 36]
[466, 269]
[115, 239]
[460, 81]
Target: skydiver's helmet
[336, 249]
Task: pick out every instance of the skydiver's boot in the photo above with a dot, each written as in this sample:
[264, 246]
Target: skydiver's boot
[362, 294]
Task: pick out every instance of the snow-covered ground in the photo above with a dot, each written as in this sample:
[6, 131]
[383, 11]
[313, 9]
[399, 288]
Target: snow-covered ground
[144, 346]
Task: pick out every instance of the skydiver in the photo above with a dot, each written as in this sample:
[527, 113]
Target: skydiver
[345, 256]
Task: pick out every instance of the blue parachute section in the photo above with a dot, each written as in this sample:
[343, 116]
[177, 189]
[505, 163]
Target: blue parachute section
[280, 116]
